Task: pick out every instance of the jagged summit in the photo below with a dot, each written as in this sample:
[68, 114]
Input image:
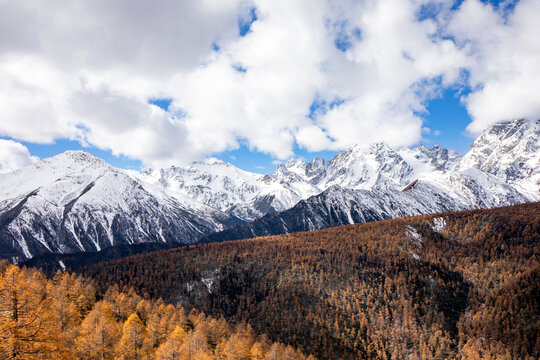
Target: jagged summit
[77, 155]
[366, 183]
[509, 150]
[440, 158]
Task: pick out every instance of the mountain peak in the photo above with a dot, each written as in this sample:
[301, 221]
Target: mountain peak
[509, 150]
[372, 148]
[77, 154]
[508, 128]
[440, 158]
[379, 146]
[77, 158]
[85, 196]
[295, 165]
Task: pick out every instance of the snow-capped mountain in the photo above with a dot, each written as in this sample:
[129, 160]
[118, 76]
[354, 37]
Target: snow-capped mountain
[377, 182]
[510, 150]
[77, 202]
[238, 193]
[341, 206]
[248, 196]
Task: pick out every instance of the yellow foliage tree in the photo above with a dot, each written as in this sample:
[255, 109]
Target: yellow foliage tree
[27, 326]
[63, 292]
[61, 319]
[161, 322]
[195, 344]
[171, 349]
[98, 334]
[257, 351]
[239, 345]
[133, 344]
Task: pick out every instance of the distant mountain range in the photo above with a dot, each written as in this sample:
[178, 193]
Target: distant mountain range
[501, 168]
[75, 202]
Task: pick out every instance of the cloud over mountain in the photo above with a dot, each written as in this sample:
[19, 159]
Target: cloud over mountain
[270, 74]
[14, 156]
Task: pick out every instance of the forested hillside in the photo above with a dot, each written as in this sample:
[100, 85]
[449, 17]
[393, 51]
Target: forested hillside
[454, 285]
[65, 317]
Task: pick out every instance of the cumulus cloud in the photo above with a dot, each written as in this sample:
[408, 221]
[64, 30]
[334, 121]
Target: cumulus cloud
[319, 74]
[85, 70]
[504, 53]
[13, 156]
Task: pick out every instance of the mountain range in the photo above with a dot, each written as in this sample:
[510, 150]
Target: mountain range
[76, 202]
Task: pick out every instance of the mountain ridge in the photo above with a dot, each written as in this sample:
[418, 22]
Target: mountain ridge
[450, 183]
[77, 202]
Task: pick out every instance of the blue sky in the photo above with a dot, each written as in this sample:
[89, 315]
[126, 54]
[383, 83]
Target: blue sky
[445, 114]
[255, 83]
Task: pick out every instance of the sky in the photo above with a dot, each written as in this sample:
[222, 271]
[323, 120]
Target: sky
[151, 84]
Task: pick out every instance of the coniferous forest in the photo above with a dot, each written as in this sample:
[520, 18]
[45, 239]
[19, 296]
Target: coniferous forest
[445, 286]
[456, 285]
[66, 317]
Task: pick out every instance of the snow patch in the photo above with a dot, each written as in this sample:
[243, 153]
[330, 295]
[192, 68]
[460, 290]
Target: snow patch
[411, 233]
[439, 224]
[62, 265]
[208, 282]
[209, 278]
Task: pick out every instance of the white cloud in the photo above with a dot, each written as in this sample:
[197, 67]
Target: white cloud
[85, 70]
[504, 57]
[13, 156]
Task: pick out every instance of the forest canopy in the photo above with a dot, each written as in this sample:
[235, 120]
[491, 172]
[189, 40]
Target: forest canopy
[66, 317]
[454, 285]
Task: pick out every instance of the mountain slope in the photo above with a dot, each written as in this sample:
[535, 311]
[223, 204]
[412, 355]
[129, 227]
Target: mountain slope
[76, 202]
[377, 182]
[337, 206]
[510, 150]
[224, 187]
[442, 286]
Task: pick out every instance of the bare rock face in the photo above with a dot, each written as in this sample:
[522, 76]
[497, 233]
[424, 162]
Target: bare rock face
[509, 150]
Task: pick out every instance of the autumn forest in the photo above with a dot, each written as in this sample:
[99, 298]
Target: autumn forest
[455, 285]
[65, 317]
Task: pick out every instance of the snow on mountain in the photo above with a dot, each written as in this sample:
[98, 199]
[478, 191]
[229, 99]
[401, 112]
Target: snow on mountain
[341, 206]
[77, 202]
[510, 150]
[507, 152]
[248, 196]
[363, 168]
[238, 193]
[216, 184]
[426, 160]
[377, 182]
